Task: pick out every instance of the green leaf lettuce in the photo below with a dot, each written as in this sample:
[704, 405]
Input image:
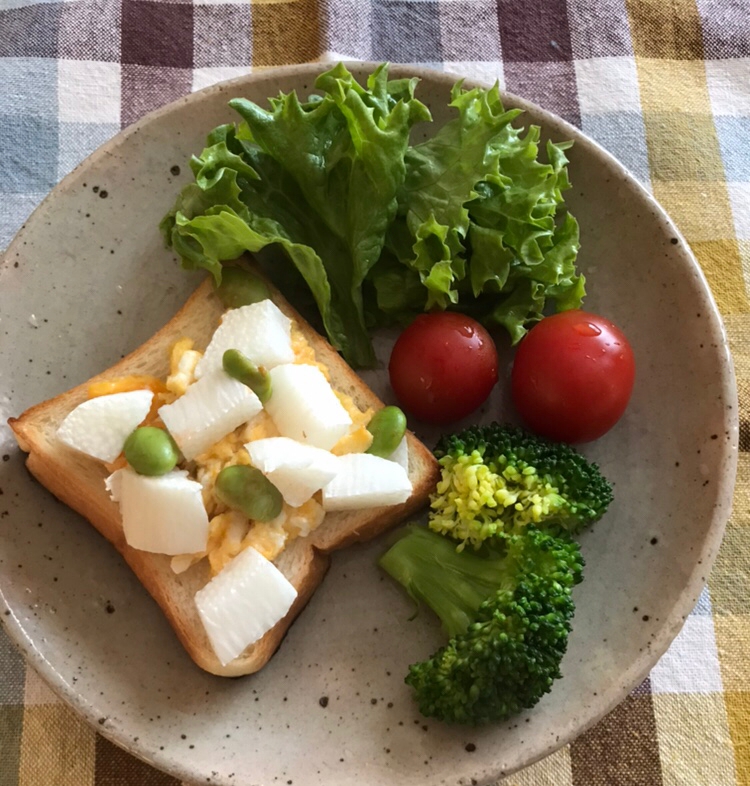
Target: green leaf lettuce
[379, 230]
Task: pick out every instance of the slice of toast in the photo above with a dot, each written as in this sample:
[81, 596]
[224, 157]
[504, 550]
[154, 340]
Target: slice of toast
[78, 481]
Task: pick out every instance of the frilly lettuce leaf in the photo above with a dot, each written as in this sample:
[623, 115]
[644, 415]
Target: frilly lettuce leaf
[470, 219]
[482, 219]
[319, 179]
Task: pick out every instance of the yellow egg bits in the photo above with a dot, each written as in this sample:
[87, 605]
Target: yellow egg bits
[230, 531]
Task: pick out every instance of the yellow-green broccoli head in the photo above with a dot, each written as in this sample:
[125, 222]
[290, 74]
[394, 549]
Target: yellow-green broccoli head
[499, 479]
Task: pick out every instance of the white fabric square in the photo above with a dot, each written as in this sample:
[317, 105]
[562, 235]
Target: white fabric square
[729, 86]
[88, 91]
[205, 77]
[607, 84]
[330, 56]
[739, 196]
[220, 2]
[487, 71]
[691, 664]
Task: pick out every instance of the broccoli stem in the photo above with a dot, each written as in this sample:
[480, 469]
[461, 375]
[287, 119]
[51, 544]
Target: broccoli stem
[453, 584]
[507, 610]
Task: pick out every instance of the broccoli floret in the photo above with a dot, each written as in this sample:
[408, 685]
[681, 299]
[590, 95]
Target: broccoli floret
[507, 609]
[496, 478]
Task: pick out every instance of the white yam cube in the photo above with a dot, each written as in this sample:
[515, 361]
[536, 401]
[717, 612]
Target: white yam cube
[164, 514]
[366, 481]
[100, 426]
[304, 407]
[297, 470]
[211, 408]
[242, 603]
[260, 331]
[401, 454]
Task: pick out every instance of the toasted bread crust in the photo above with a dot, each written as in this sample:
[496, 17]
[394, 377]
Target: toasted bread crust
[79, 483]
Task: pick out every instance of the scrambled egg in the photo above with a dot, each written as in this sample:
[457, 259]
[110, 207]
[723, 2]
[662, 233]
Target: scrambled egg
[359, 439]
[182, 363]
[230, 532]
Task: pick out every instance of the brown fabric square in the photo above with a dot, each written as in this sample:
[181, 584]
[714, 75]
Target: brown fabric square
[114, 767]
[622, 749]
[534, 31]
[157, 34]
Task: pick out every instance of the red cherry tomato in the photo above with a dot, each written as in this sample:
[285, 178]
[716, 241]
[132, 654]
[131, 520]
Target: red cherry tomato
[572, 376]
[443, 366]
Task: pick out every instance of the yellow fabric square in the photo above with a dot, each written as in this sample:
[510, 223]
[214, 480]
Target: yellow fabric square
[721, 263]
[673, 86]
[700, 210]
[732, 634]
[738, 714]
[738, 335]
[743, 247]
[552, 771]
[683, 147]
[695, 746]
[729, 583]
[57, 747]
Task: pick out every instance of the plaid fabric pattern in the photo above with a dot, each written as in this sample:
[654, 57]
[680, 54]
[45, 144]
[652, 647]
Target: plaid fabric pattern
[663, 84]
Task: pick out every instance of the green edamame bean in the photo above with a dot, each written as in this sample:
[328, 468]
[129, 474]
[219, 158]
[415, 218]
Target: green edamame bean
[248, 490]
[240, 287]
[151, 451]
[387, 427]
[241, 368]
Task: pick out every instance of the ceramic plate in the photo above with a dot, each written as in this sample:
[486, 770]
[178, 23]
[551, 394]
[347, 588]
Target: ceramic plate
[88, 279]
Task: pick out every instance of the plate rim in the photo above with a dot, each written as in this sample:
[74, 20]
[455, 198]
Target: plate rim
[724, 493]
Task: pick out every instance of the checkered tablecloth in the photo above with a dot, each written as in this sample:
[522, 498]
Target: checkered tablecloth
[663, 84]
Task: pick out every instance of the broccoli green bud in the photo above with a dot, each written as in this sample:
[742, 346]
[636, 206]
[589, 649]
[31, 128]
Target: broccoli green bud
[504, 663]
[496, 479]
[507, 609]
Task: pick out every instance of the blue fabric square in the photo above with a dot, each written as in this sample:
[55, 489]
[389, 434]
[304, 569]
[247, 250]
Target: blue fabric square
[28, 86]
[624, 136]
[703, 606]
[77, 140]
[14, 210]
[406, 32]
[734, 140]
[30, 160]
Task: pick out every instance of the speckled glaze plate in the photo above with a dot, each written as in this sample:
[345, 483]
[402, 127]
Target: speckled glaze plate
[88, 279]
